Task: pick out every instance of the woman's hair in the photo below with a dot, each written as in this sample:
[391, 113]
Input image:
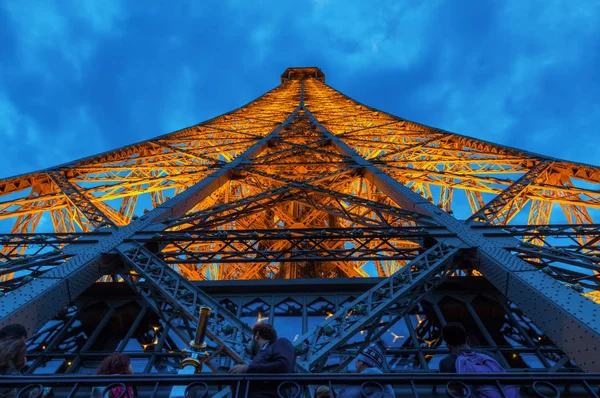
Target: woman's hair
[116, 363]
[13, 331]
[12, 354]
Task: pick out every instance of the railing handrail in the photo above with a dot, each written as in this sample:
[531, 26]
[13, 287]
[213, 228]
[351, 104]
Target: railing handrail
[335, 378]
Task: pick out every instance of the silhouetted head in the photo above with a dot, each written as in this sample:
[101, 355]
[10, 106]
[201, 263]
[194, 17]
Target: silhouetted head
[116, 363]
[13, 354]
[263, 332]
[455, 335]
[372, 356]
[13, 332]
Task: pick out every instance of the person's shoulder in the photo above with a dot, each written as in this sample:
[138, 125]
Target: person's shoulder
[11, 371]
[372, 371]
[283, 341]
[448, 364]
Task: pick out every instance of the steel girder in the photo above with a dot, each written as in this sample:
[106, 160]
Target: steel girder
[498, 211]
[410, 152]
[147, 167]
[377, 309]
[224, 329]
[96, 218]
[53, 290]
[547, 301]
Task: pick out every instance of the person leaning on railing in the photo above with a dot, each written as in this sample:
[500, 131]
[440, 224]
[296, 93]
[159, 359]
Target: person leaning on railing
[13, 358]
[115, 364]
[463, 359]
[371, 360]
[270, 355]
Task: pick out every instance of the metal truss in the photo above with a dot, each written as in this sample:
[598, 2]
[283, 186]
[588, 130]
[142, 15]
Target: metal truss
[109, 317]
[303, 182]
[94, 216]
[375, 311]
[183, 300]
[504, 206]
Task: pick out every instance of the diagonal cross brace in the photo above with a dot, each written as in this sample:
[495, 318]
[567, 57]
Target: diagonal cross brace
[38, 301]
[545, 300]
[96, 217]
[492, 210]
[393, 297]
[224, 328]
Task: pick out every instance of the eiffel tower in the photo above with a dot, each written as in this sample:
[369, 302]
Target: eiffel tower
[339, 223]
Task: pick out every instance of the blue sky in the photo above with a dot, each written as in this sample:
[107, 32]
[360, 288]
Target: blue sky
[81, 77]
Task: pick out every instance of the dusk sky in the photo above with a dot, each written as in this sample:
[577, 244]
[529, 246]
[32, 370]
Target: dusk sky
[82, 77]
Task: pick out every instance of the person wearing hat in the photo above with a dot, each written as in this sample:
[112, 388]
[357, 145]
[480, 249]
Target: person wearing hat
[371, 360]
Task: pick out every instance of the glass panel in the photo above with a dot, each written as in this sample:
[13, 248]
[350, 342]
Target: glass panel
[498, 323]
[288, 319]
[255, 311]
[117, 326]
[456, 311]
[318, 311]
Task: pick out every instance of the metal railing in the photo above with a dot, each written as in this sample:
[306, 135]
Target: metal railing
[302, 385]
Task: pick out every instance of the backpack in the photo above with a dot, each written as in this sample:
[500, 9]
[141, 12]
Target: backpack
[473, 362]
[119, 392]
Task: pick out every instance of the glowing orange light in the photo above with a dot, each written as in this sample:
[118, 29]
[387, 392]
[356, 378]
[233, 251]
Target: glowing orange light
[261, 318]
[329, 315]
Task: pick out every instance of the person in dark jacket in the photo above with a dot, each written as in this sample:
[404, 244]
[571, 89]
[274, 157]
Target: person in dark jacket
[270, 355]
[455, 336]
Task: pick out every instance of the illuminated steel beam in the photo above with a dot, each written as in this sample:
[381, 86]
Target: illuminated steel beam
[91, 212]
[340, 165]
[498, 210]
[54, 290]
[554, 302]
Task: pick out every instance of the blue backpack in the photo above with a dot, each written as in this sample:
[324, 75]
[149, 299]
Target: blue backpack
[473, 362]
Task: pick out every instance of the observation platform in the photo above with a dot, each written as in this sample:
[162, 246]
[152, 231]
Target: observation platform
[302, 73]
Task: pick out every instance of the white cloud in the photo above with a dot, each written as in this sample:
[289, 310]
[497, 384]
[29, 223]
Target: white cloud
[29, 146]
[15, 126]
[180, 107]
[486, 92]
[363, 33]
[78, 136]
[71, 30]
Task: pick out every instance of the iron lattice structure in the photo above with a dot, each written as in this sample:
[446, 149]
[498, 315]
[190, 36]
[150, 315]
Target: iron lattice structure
[315, 209]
